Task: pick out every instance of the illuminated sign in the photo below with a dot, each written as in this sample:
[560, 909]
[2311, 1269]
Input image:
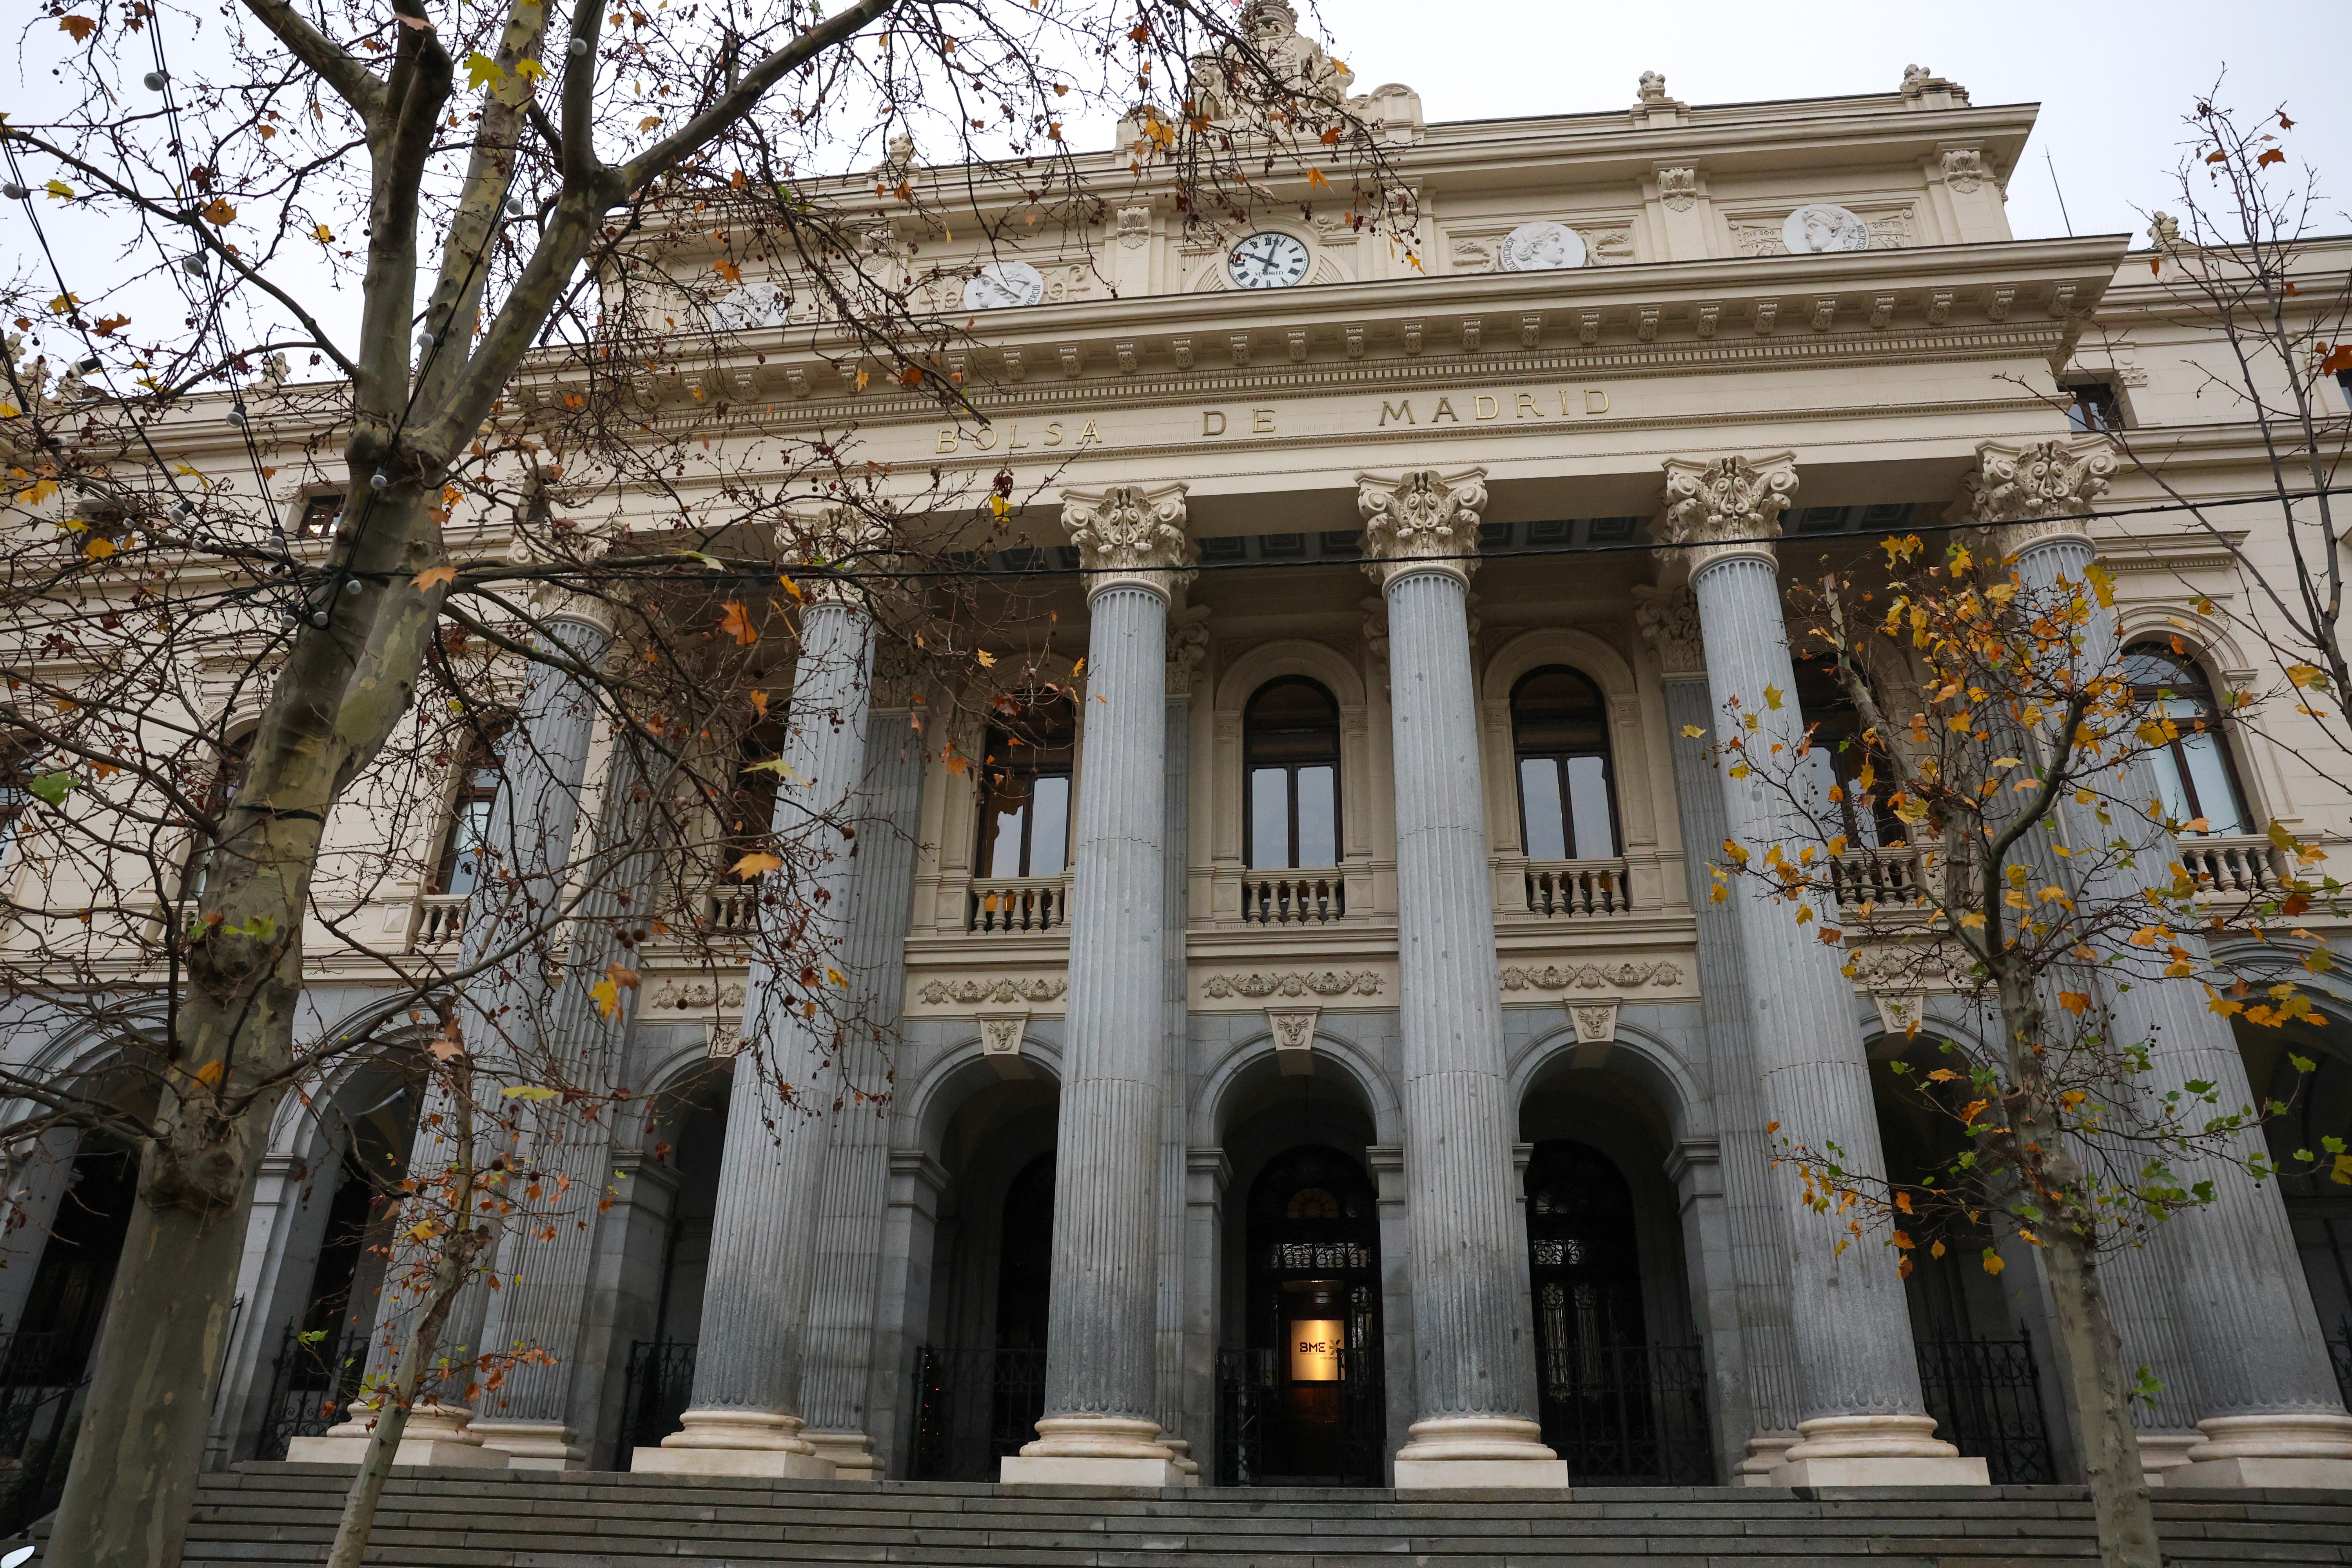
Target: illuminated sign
[1315, 1346]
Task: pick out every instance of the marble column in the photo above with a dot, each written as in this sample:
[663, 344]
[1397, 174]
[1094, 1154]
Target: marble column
[1860, 1420]
[842, 1368]
[1188, 640]
[543, 1280]
[2240, 1321]
[745, 1416]
[1474, 1369]
[508, 1012]
[1101, 1424]
[1759, 1225]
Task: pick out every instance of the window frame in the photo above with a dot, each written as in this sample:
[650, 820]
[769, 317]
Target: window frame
[2208, 696]
[1251, 767]
[1523, 751]
[999, 766]
[485, 754]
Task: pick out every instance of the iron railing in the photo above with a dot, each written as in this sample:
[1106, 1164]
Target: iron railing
[1258, 1438]
[41, 1395]
[1626, 1415]
[1986, 1397]
[312, 1382]
[973, 1405]
[2339, 1352]
[660, 1384]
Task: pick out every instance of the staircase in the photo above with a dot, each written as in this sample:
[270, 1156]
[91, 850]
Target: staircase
[279, 1514]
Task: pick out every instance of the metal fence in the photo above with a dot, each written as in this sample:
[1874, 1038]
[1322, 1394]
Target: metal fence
[1259, 1436]
[2339, 1352]
[1627, 1414]
[1986, 1397]
[973, 1405]
[41, 1394]
[660, 1384]
[311, 1381]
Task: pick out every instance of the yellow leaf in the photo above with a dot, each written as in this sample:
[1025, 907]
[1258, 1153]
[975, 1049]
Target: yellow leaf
[1992, 1263]
[1935, 1249]
[1772, 695]
[1314, 177]
[837, 977]
[323, 234]
[218, 213]
[2306, 675]
[211, 1073]
[987, 659]
[530, 70]
[2009, 762]
[649, 121]
[2342, 1175]
[60, 189]
[98, 549]
[727, 269]
[1694, 732]
[607, 998]
[756, 864]
[534, 1090]
[735, 622]
[1943, 1075]
[424, 1230]
[433, 577]
[2075, 1002]
[481, 71]
[794, 589]
[778, 766]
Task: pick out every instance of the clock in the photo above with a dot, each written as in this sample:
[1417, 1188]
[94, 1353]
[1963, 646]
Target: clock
[1268, 260]
[999, 284]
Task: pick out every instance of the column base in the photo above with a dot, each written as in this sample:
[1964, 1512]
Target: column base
[850, 1452]
[1093, 1451]
[1875, 1451]
[533, 1445]
[1182, 1451]
[2163, 1453]
[2308, 1448]
[439, 1435]
[1765, 1451]
[1449, 1452]
[735, 1443]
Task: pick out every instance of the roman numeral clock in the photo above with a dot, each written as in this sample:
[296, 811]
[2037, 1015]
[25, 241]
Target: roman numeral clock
[1269, 259]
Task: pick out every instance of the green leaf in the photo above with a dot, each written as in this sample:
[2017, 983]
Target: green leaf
[52, 787]
[2303, 1064]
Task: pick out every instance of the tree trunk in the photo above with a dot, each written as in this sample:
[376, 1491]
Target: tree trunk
[2093, 1359]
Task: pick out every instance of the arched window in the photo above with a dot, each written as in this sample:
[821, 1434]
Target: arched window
[1560, 732]
[234, 756]
[2194, 768]
[458, 867]
[1290, 755]
[1025, 830]
[750, 815]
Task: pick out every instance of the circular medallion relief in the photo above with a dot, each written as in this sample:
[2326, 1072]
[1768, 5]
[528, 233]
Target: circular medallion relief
[1268, 259]
[1822, 227]
[1000, 284]
[1542, 247]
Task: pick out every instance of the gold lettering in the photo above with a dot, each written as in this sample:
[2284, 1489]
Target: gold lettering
[1400, 412]
[1564, 409]
[1054, 434]
[988, 445]
[1219, 427]
[1526, 406]
[1445, 411]
[946, 440]
[1487, 407]
[1090, 435]
[1595, 400]
[1016, 444]
[1260, 421]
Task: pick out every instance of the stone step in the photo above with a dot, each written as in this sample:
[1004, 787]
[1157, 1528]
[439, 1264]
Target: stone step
[285, 1514]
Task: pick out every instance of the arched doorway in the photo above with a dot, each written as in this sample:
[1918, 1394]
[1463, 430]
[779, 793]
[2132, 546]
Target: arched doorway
[1311, 1411]
[66, 1304]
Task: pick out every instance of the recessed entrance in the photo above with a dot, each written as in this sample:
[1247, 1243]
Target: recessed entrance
[1302, 1405]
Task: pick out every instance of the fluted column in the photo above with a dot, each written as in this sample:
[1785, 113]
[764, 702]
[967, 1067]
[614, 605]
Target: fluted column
[1861, 1421]
[1101, 1424]
[2239, 1315]
[1759, 1226]
[1188, 639]
[745, 1418]
[842, 1372]
[1474, 1330]
[544, 1280]
[506, 1016]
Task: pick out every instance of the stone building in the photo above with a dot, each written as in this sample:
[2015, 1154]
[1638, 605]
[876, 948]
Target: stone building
[1321, 1061]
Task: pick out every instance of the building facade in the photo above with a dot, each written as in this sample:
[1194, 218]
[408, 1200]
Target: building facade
[1319, 1061]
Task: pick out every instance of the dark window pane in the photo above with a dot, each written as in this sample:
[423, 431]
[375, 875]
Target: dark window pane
[1318, 816]
[1558, 711]
[1269, 818]
[1588, 799]
[1540, 801]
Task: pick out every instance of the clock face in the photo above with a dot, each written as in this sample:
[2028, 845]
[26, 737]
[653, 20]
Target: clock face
[1267, 260]
[1000, 284]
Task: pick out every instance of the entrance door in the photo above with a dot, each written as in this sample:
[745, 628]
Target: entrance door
[1303, 1403]
[1617, 1409]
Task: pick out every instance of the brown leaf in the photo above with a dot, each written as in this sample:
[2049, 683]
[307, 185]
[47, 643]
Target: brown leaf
[735, 622]
[727, 269]
[218, 213]
[434, 576]
[107, 326]
[81, 28]
[2270, 156]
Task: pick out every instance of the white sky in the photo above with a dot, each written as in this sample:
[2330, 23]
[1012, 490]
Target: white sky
[2113, 79]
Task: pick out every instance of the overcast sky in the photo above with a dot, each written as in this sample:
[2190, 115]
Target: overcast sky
[2114, 80]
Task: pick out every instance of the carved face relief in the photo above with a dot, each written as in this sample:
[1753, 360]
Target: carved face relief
[1542, 247]
[1004, 284]
[1823, 227]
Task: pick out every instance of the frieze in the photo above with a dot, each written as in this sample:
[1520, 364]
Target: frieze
[1294, 982]
[1625, 976]
[694, 994]
[972, 990]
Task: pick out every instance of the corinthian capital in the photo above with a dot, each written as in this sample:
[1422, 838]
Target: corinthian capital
[1420, 522]
[843, 539]
[2027, 495]
[1669, 620]
[1728, 507]
[1129, 536]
